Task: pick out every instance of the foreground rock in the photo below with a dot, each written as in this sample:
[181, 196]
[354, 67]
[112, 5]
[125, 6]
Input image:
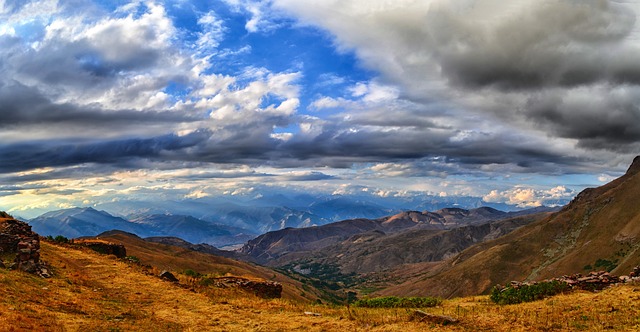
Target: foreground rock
[263, 289]
[168, 276]
[16, 237]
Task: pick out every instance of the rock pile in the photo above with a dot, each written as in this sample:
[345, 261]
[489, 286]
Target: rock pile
[16, 237]
[263, 289]
[593, 281]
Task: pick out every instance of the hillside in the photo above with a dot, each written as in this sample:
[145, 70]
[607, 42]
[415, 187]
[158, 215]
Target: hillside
[270, 247]
[376, 251]
[599, 229]
[93, 292]
[178, 259]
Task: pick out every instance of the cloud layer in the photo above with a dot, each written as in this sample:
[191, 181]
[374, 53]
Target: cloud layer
[468, 91]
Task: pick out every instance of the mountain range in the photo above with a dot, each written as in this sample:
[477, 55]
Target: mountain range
[269, 211]
[80, 222]
[360, 248]
[221, 221]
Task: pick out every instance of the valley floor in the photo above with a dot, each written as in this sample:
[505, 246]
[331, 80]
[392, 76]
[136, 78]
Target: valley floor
[92, 292]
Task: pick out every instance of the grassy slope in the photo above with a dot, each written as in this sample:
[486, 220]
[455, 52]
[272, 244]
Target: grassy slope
[601, 223]
[176, 259]
[92, 292]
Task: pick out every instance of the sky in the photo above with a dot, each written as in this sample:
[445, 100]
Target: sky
[523, 102]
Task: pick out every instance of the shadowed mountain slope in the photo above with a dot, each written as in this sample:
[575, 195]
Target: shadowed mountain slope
[376, 251]
[270, 247]
[599, 229]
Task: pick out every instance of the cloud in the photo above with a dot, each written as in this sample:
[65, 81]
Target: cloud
[528, 44]
[261, 18]
[601, 117]
[305, 176]
[530, 197]
[213, 31]
[555, 68]
[466, 89]
[124, 152]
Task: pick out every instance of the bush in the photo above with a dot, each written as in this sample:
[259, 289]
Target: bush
[398, 302]
[192, 273]
[527, 293]
[132, 259]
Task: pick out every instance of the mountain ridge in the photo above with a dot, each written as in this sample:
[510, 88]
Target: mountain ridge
[267, 248]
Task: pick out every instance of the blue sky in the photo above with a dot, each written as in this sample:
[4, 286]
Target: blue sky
[524, 103]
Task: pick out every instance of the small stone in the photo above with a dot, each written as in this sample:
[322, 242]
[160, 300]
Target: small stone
[28, 266]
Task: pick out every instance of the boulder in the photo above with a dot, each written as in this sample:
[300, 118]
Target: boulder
[166, 275]
[264, 289]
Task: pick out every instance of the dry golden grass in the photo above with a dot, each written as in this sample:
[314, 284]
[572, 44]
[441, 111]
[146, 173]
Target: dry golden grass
[176, 259]
[92, 292]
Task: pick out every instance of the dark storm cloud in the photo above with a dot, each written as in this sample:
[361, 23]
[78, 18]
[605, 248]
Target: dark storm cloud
[600, 118]
[341, 147]
[553, 43]
[25, 156]
[572, 64]
[22, 105]
[337, 146]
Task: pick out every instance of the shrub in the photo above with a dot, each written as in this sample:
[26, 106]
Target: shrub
[132, 259]
[192, 273]
[527, 293]
[398, 302]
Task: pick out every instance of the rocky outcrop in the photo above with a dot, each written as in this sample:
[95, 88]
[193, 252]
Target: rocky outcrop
[106, 248]
[16, 237]
[263, 289]
[168, 276]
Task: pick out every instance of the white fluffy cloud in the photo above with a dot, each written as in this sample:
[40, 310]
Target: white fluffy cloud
[529, 197]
